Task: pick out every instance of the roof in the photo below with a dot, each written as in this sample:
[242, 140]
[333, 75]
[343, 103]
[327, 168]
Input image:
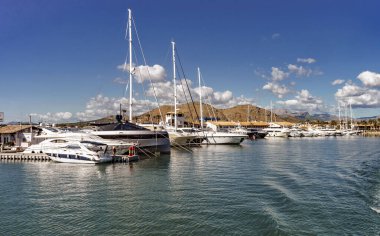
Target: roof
[11, 129]
[254, 123]
[222, 123]
[284, 123]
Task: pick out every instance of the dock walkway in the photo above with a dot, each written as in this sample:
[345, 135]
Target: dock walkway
[17, 156]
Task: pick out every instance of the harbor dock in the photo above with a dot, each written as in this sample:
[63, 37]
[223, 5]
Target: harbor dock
[17, 156]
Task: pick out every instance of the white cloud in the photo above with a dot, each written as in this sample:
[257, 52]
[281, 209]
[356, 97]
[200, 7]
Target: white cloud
[277, 89]
[304, 101]
[306, 60]
[370, 79]
[102, 106]
[278, 75]
[361, 97]
[120, 80]
[222, 97]
[144, 73]
[299, 70]
[53, 117]
[337, 82]
[275, 35]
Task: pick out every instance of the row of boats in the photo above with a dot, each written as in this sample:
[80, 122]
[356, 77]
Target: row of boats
[102, 142]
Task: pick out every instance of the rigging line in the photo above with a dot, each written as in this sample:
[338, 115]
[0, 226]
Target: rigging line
[142, 85]
[180, 63]
[187, 102]
[212, 107]
[149, 75]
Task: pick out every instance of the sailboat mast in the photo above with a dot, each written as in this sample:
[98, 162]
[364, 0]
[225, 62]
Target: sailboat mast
[351, 115]
[340, 123]
[130, 63]
[271, 112]
[175, 89]
[200, 97]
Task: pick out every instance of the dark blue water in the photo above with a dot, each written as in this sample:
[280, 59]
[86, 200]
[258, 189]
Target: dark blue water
[316, 186]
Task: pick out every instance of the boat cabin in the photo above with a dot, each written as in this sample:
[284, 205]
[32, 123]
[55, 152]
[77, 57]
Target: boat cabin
[170, 119]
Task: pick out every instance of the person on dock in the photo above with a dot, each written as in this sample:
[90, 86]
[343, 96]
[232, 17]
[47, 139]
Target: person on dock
[113, 150]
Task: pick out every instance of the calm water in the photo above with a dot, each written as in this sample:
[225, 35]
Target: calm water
[324, 186]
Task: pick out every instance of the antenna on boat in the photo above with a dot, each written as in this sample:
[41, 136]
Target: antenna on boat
[130, 63]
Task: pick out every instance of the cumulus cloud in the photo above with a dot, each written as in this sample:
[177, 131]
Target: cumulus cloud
[299, 70]
[337, 82]
[278, 75]
[53, 117]
[370, 79]
[277, 89]
[102, 106]
[358, 97]
[306, 60]
[304, 101]
[142, 73]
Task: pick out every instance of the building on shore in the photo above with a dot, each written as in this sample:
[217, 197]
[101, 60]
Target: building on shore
[17, 135]
[226, 125]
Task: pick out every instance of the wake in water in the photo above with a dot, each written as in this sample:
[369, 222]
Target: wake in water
[377, 210]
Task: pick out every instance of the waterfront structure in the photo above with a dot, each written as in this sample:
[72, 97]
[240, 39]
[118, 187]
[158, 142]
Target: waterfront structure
[17, 135]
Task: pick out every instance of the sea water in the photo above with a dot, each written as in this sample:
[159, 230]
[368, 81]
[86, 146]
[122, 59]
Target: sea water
[277, 186]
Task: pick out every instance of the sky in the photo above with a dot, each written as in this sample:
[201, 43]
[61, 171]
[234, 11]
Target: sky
[62, 60]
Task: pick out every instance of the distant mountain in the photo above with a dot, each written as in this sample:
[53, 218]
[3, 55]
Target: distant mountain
[238, 113]
[368, 118]
[306, 116]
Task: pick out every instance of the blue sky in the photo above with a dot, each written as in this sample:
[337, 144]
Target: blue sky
[59, 59]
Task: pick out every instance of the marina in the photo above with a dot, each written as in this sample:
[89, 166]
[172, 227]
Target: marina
[108, 126]
[264, 187]
[44, 157]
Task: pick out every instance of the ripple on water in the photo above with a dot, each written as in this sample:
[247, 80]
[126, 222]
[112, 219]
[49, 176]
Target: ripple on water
[328, 186]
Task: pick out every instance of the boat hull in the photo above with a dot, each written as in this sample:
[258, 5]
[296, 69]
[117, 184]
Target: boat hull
[79, 161]
[224, 139]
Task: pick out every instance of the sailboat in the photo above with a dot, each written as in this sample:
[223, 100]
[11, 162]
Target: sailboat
[216, 137]
[275, 130]
[176, 134]
[148, 141]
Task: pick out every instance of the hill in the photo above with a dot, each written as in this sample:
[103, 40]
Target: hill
[237, 113]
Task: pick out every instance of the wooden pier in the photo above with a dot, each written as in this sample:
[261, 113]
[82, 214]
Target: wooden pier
[24, 157]
[17, 156]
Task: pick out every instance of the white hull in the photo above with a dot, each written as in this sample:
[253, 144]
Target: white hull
[178, 139]
[223, 138]
[78, 161]
[158, 143]
[278, 134]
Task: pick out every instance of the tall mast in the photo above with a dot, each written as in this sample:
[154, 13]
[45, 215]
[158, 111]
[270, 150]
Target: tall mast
[175, 89]
[130, 63]
[248, 113]
[200, 97]
[346, 118]
[340, 123]
[351, 115]
[271, 112]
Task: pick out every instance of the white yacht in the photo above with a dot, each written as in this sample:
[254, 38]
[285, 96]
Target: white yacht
[275, 130]
[176, 120]
[72, 151]
[121, 147]
[148, 141]
[178, 134]
[214, 136]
